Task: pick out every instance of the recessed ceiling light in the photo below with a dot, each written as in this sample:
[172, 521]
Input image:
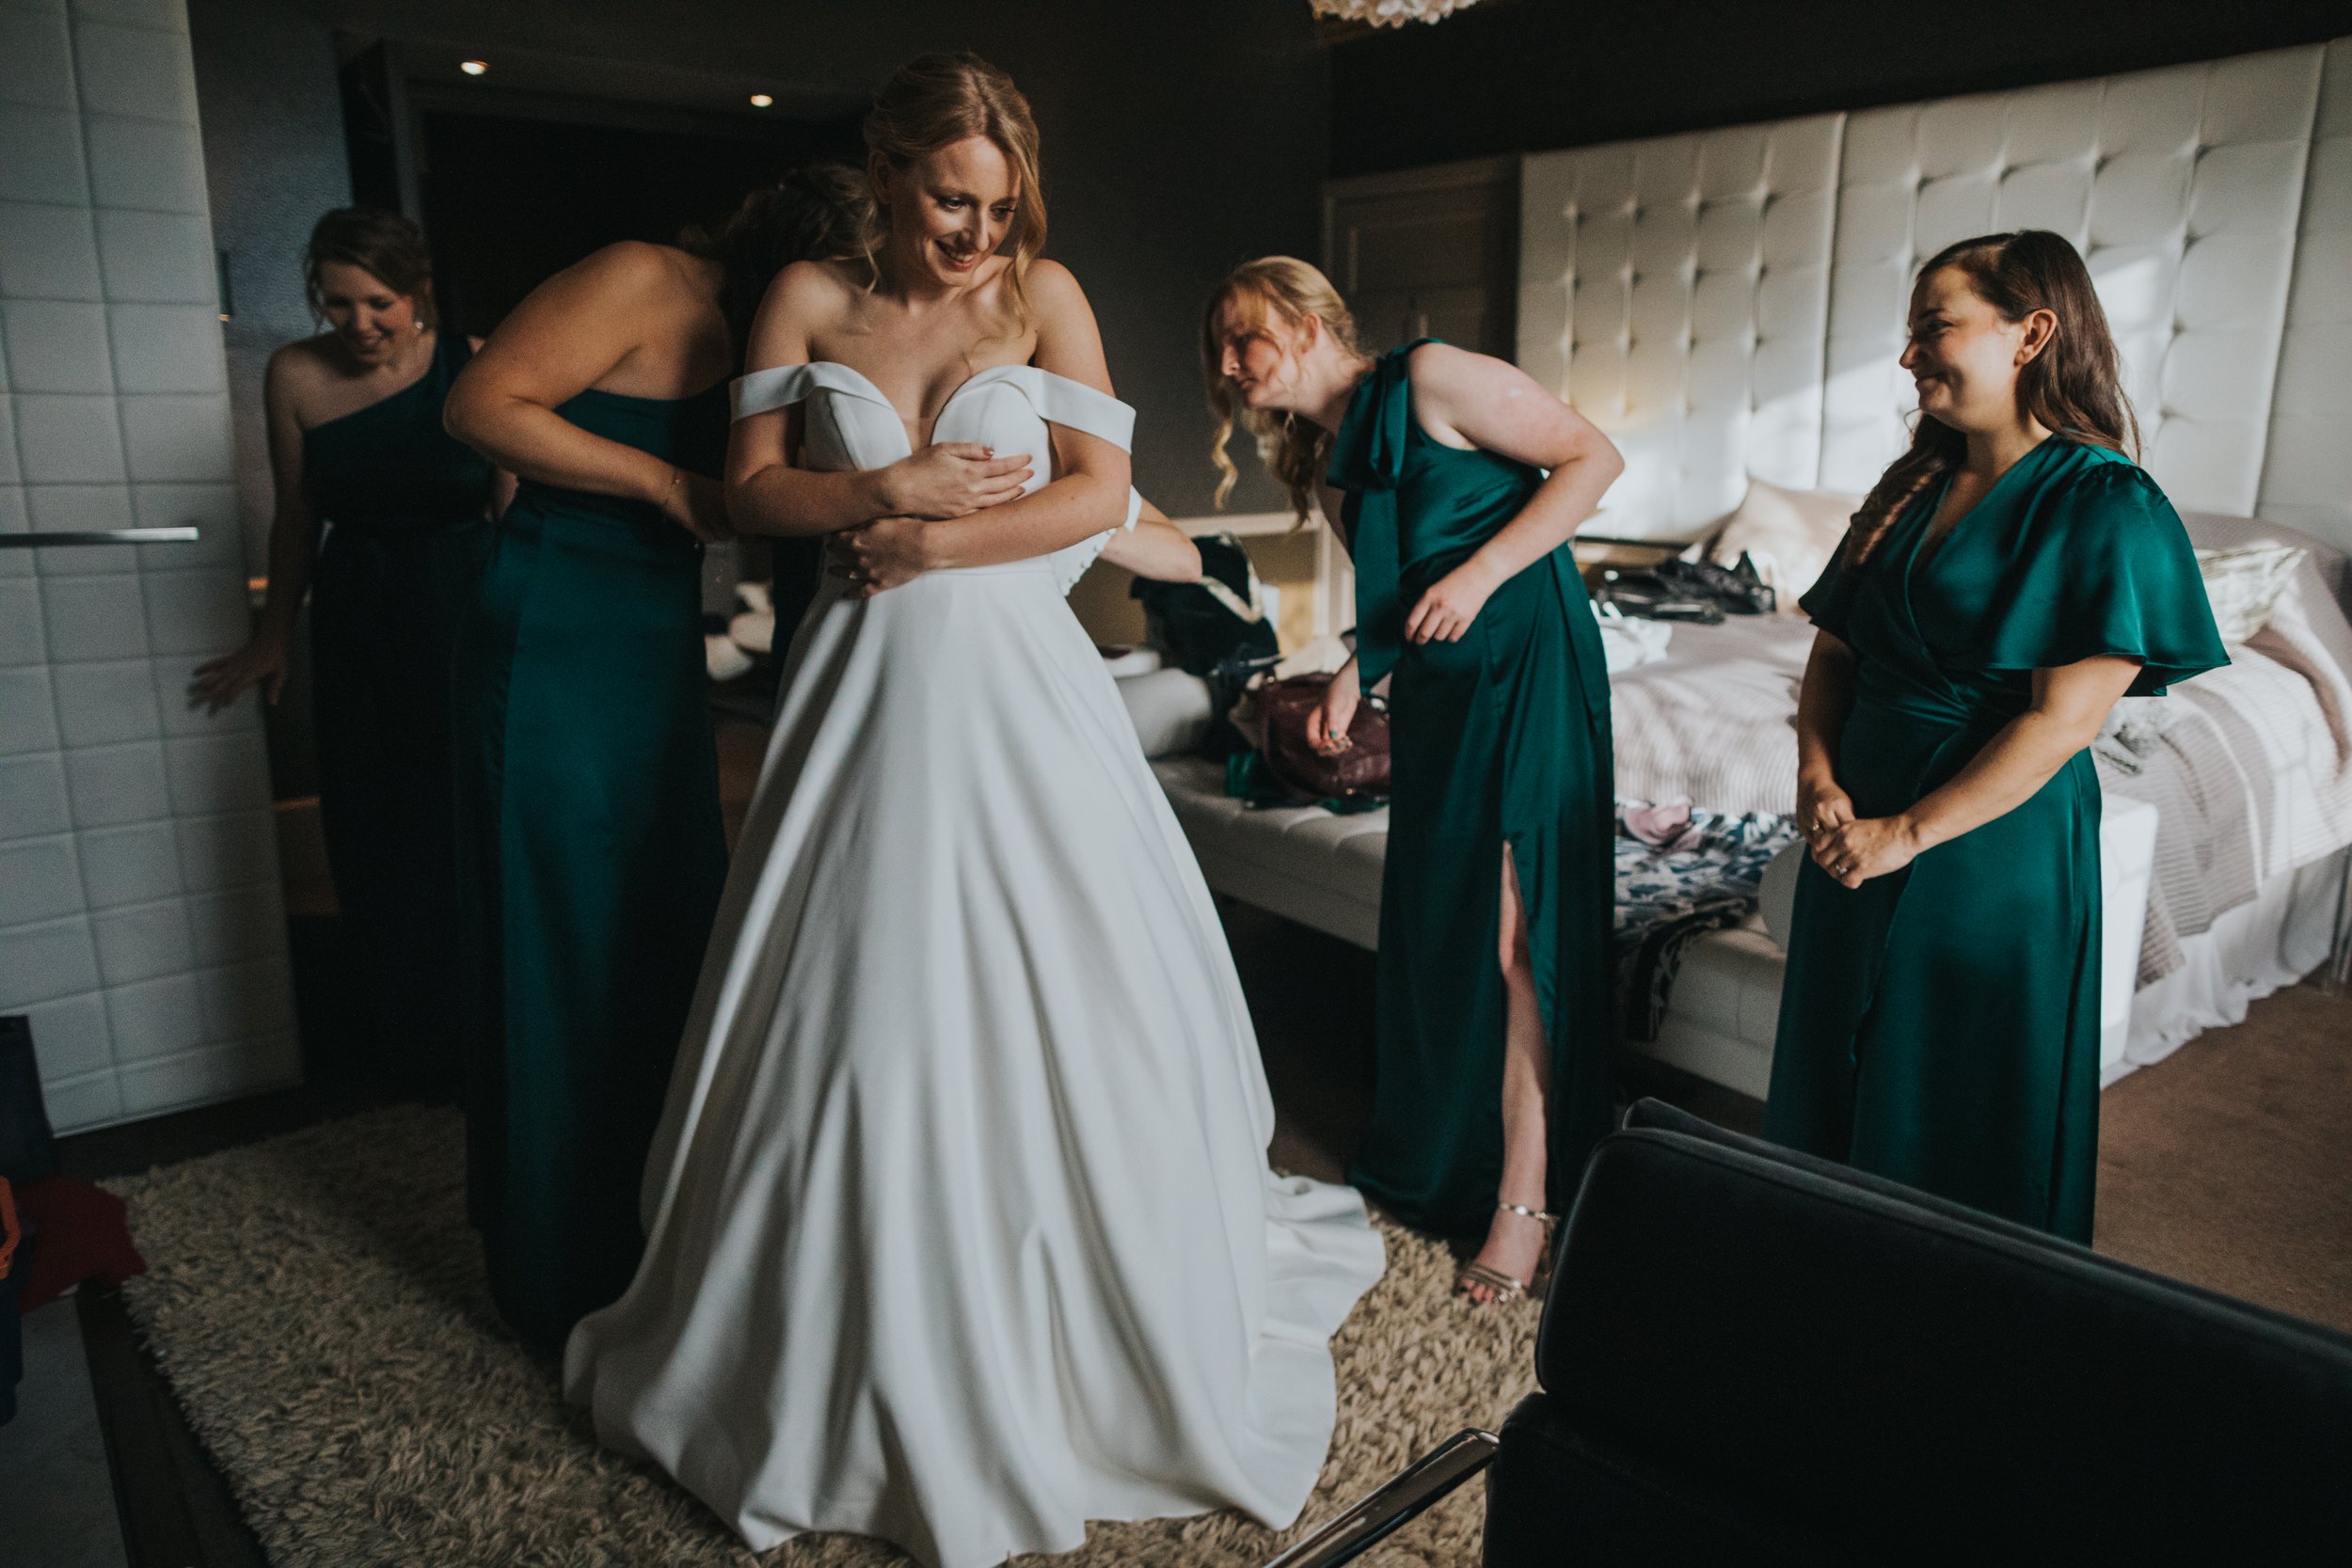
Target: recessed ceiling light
[473, 68]
[760, 100]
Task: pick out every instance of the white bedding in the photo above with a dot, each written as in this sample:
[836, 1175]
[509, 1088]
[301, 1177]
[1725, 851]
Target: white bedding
[2252, 780]
[1714, 721]
[2252, 775]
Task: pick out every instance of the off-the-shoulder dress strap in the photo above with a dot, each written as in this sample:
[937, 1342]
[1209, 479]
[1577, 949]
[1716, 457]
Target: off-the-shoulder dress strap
[1061, 400]
[782, 385]
[1056, 399]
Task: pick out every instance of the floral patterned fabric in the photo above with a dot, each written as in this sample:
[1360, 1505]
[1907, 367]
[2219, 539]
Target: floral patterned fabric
[1703, 876]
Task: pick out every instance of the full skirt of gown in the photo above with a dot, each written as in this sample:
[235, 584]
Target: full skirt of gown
[960, 1231]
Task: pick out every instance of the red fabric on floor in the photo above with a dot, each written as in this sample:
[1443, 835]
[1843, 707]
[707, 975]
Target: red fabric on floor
[81, 1233]
[10, 1231]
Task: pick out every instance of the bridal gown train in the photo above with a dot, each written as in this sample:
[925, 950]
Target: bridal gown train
[959, 1227]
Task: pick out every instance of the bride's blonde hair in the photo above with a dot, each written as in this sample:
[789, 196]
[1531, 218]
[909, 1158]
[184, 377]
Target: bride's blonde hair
[935, 101]
[1294, 448]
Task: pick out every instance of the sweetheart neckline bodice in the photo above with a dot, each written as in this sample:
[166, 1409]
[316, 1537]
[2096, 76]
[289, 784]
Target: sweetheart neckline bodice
[873, 389]
[1053, 398]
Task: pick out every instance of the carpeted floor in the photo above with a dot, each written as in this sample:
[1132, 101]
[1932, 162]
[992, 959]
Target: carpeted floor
[318, 1304]
[2230, 1162]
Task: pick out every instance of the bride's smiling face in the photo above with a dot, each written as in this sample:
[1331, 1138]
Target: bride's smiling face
[950, 210]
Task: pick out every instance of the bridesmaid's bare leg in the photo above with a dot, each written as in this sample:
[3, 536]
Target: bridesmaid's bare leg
[1515, 1243]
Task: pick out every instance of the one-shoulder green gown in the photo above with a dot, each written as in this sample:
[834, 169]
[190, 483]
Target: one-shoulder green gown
[408, 531]
[1940, 1024]
[1498, 738]
[596, 853]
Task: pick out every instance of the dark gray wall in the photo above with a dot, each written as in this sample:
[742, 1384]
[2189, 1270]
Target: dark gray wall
[1529, 75]
[272, 126]
[1178, 139]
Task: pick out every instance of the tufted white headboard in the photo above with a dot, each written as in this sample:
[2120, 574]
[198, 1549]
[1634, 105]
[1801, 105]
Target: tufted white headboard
[1676, 292]
[2306, 473]
[1732, 302]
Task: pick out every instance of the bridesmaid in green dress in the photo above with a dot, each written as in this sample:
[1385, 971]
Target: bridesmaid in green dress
[355, 440]
[1463, 481]
[595, 848]
[2010, 576]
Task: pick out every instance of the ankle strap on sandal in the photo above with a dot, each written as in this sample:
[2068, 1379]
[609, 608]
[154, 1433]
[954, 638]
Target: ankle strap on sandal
[1538, 1216]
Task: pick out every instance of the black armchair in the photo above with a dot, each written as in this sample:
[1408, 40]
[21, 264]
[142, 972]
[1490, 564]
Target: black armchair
[1751, 1356]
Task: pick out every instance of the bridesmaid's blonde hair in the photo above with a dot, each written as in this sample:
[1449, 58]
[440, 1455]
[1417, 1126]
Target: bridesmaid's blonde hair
[1296, 448]
[935, 101]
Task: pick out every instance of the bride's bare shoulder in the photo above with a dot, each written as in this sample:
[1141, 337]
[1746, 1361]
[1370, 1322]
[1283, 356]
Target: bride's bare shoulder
[1069, 343]
[1050, 283]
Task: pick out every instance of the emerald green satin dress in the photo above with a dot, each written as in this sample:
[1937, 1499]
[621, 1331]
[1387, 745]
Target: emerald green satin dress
[408, 532]
[596, 857]
[1499, 739]
[1939, 1026]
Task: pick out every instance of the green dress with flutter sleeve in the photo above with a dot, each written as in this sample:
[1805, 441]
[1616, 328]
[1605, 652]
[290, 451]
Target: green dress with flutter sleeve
[1497, 739]
[1939, 1026]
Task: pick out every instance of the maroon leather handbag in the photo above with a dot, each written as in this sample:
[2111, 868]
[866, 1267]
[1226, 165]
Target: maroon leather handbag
[1360, 771]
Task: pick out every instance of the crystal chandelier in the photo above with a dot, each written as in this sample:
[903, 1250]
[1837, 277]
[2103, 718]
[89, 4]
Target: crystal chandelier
[1388, 13]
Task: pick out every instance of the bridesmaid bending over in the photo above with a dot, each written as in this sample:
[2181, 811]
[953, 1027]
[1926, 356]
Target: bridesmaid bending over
[356, 441]
[1463, 481]
[2009, 577]
[590, 776]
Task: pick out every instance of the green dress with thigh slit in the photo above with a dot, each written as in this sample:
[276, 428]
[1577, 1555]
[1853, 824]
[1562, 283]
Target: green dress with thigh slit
[408, 531]
[1939, 1026]
[1499, 739]
[596, 857]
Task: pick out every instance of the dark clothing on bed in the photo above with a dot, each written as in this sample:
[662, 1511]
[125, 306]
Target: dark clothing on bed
[1501, 738]
[1940, 1024]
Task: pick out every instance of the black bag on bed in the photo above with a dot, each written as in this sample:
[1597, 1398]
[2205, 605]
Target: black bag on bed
[1677, 590]
[1215, 628]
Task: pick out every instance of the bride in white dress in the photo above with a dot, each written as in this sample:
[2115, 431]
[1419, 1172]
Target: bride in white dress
[959, 1227]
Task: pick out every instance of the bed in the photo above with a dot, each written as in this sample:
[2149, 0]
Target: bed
[2224, 849]
[1728, 306]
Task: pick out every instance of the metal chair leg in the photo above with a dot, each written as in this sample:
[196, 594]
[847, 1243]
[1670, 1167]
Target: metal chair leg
[1427, 1482]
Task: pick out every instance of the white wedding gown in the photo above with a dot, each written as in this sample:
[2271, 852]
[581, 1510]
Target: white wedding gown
[959, 1227]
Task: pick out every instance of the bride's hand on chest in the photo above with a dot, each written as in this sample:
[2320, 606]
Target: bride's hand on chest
[954, 479]
[885, 553]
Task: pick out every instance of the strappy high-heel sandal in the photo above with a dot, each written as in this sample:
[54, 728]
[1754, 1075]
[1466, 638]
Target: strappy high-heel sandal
[1475, 1274]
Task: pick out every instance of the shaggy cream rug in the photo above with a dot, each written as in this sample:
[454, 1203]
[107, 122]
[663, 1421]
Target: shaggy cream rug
[317, 1301]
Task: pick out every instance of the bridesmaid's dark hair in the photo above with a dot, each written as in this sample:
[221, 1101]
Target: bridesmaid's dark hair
[2073, 387]
[383, 245]
[818, 212]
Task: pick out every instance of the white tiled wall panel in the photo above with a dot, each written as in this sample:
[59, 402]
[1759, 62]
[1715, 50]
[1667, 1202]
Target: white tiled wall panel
[1732, 302]
[2307, 472]
[141, 927]
[1675, 290]
[155, 258]
[52, 251]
